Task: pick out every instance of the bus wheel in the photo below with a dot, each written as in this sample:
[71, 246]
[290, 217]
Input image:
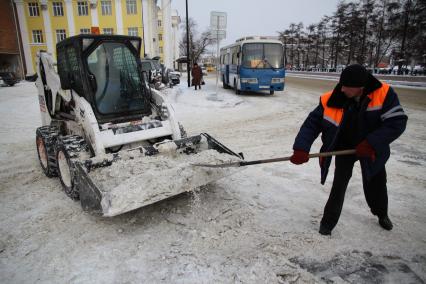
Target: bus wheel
[237, 92]
[271, 92]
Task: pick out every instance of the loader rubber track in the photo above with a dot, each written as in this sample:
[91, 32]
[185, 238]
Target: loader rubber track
[48, 136]
[72, 146]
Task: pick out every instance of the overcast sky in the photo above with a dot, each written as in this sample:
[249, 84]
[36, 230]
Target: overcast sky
[255, 17]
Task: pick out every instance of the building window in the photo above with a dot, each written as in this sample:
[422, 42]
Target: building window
[60, 35]
[108, 31]
[83, 8]
[132, 31]
[160, 36]
[159, 23]
[161, 49]
[37, 36]
[131, 7]
[58, 10]
[106, 8]
[85, 31]
[33, 9]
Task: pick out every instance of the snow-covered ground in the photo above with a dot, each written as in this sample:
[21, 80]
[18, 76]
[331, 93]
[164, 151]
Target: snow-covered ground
[257, 226]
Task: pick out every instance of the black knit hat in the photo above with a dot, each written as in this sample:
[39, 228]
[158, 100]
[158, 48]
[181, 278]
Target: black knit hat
[354, 76]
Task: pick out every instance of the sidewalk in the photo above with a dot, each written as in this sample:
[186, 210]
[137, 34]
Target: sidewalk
[207, 96]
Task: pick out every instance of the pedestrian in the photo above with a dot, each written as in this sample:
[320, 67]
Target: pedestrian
[362, 113]
[197, 75]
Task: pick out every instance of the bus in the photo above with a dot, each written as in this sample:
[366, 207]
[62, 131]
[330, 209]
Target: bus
[253, 64]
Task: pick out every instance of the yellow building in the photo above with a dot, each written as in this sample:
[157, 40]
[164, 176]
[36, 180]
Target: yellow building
[43, 23]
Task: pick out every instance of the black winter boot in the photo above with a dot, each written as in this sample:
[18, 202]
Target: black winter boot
[323, 230]
[385, 223]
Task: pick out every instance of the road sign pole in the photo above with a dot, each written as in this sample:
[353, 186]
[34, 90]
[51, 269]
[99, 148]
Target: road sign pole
[217, 55]
[187, 47]
[218, 30]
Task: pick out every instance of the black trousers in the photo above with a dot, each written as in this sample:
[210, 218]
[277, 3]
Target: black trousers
[375, 191]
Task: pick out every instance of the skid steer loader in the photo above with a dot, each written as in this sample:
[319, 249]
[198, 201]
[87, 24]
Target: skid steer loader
[115, 143]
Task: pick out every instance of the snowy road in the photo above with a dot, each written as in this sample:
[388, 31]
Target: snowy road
[257, 226]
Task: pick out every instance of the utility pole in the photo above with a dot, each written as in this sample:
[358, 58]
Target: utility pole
[187, 46]
[218, 30]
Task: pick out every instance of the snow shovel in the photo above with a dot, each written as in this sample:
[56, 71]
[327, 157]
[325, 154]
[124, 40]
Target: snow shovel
[256, 162]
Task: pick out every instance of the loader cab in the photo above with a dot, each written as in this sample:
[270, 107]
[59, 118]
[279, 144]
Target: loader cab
[106, 71]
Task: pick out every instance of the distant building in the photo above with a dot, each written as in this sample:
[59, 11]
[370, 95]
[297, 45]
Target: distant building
[43, 23]
[168, 34]
[175, 37]
[11, 56]
[160, 33]
[150, 20]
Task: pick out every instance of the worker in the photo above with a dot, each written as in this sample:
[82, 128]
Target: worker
[362, 113]
[197, 75]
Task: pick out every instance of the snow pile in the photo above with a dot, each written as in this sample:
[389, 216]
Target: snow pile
[135, 181]
[207, 97]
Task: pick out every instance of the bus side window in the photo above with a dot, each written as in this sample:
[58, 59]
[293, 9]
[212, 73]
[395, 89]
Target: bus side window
[234, 55]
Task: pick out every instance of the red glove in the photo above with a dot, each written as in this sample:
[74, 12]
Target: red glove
[299, 157]
[364, 150]
[321, 161]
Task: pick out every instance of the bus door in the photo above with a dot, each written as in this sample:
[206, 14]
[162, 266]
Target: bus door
[226, 62]
[227, 74]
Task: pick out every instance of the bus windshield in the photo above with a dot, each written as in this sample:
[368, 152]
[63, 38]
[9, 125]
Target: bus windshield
[118, 82]
[262, 55]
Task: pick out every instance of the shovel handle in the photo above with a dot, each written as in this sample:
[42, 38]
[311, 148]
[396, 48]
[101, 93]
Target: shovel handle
[315, 155]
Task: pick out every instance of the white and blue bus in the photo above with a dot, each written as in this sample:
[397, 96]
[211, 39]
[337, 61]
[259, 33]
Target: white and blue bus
[253, 64]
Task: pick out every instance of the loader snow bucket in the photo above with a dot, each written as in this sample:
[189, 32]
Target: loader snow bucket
[119, 183]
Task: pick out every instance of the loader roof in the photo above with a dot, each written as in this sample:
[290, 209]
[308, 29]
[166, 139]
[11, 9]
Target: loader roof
[117, 38]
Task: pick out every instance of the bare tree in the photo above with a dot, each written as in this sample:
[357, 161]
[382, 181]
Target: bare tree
[367, 32]
[198, 43]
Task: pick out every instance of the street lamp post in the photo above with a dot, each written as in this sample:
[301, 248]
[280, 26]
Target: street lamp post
[187, 46]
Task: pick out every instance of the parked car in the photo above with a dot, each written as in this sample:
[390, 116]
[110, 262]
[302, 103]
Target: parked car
[153, 71]
[9, 78]
[174, 77]
[152, 68]
[158, 75]
[419, 70]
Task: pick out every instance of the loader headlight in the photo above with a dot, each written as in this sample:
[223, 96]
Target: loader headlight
[249, 80]
[277, 80]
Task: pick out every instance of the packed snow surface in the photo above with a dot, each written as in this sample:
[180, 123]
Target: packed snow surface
[259, 225]
[135, 180]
